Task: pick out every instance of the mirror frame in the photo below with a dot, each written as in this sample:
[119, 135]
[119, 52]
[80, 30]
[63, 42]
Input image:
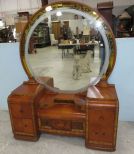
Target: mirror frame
[72, 5]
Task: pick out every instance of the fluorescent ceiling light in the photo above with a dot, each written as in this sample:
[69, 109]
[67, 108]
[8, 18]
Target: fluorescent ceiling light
[48, 8]
[59, 13]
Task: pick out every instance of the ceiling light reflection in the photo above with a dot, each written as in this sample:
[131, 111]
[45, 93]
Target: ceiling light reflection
[48, 8]
[59, 13]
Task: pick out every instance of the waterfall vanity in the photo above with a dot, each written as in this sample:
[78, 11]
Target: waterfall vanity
[51, 101]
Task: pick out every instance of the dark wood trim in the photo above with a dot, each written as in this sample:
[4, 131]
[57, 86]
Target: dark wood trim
[44, 2]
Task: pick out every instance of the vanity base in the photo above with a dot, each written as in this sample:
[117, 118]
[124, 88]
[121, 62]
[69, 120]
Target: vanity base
[92, 115]
[101, 124]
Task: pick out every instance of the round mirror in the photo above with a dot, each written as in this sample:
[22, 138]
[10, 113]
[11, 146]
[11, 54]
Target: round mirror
[70, 43]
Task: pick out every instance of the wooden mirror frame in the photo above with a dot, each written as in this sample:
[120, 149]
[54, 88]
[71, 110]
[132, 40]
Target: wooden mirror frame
[77, 6]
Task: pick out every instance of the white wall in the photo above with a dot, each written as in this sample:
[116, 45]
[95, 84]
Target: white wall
[123, 77]
[14, 6]
[11, 71]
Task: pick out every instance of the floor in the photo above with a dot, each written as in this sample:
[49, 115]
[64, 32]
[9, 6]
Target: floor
[48, 61]
[52, 144]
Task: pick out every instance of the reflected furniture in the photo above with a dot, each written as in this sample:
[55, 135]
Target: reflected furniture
[83, 48]
[32, 45]
[78, 48]
[37, 106]
[24, 14]
[53, 40]
[42, 34]
[124, 27]
[81, 65]
[65, 48]
[56, 29]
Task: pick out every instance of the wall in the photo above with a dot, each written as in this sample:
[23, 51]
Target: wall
[123, 77]
[19, 5]
[12, 75]
[11, 71]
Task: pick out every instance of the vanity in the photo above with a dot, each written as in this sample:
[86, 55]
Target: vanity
[54, 102]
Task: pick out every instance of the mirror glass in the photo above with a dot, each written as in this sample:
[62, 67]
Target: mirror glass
[68, 45]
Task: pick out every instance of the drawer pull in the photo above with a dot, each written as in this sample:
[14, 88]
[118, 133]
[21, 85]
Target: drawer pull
[103, 133]
[21, 111]
[101, 118]
[25, 125]
[96, 133]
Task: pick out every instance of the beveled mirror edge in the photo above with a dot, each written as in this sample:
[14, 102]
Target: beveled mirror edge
[75, 5]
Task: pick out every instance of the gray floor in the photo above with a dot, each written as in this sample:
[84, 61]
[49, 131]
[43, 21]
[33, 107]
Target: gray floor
[51, 144]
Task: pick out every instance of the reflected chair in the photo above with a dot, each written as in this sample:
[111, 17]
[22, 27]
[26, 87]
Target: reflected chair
[53, 40]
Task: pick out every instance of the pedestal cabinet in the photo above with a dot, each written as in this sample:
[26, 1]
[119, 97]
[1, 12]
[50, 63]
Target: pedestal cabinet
[101, 118]
[33, 110]
[22, 111]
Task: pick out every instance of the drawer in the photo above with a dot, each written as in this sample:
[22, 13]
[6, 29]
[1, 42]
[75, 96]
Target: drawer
[101, 125]
[23, 126]
[65, 125]
[20, 110]
[55, 124]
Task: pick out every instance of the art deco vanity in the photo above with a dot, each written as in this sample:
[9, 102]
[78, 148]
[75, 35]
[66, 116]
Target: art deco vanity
[42, 104]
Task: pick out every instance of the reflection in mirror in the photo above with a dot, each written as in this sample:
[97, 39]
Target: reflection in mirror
[67, 47]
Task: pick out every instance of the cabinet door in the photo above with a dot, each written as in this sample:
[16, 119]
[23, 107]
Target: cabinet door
[56, 29]
[101, 125]
[23, 126]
